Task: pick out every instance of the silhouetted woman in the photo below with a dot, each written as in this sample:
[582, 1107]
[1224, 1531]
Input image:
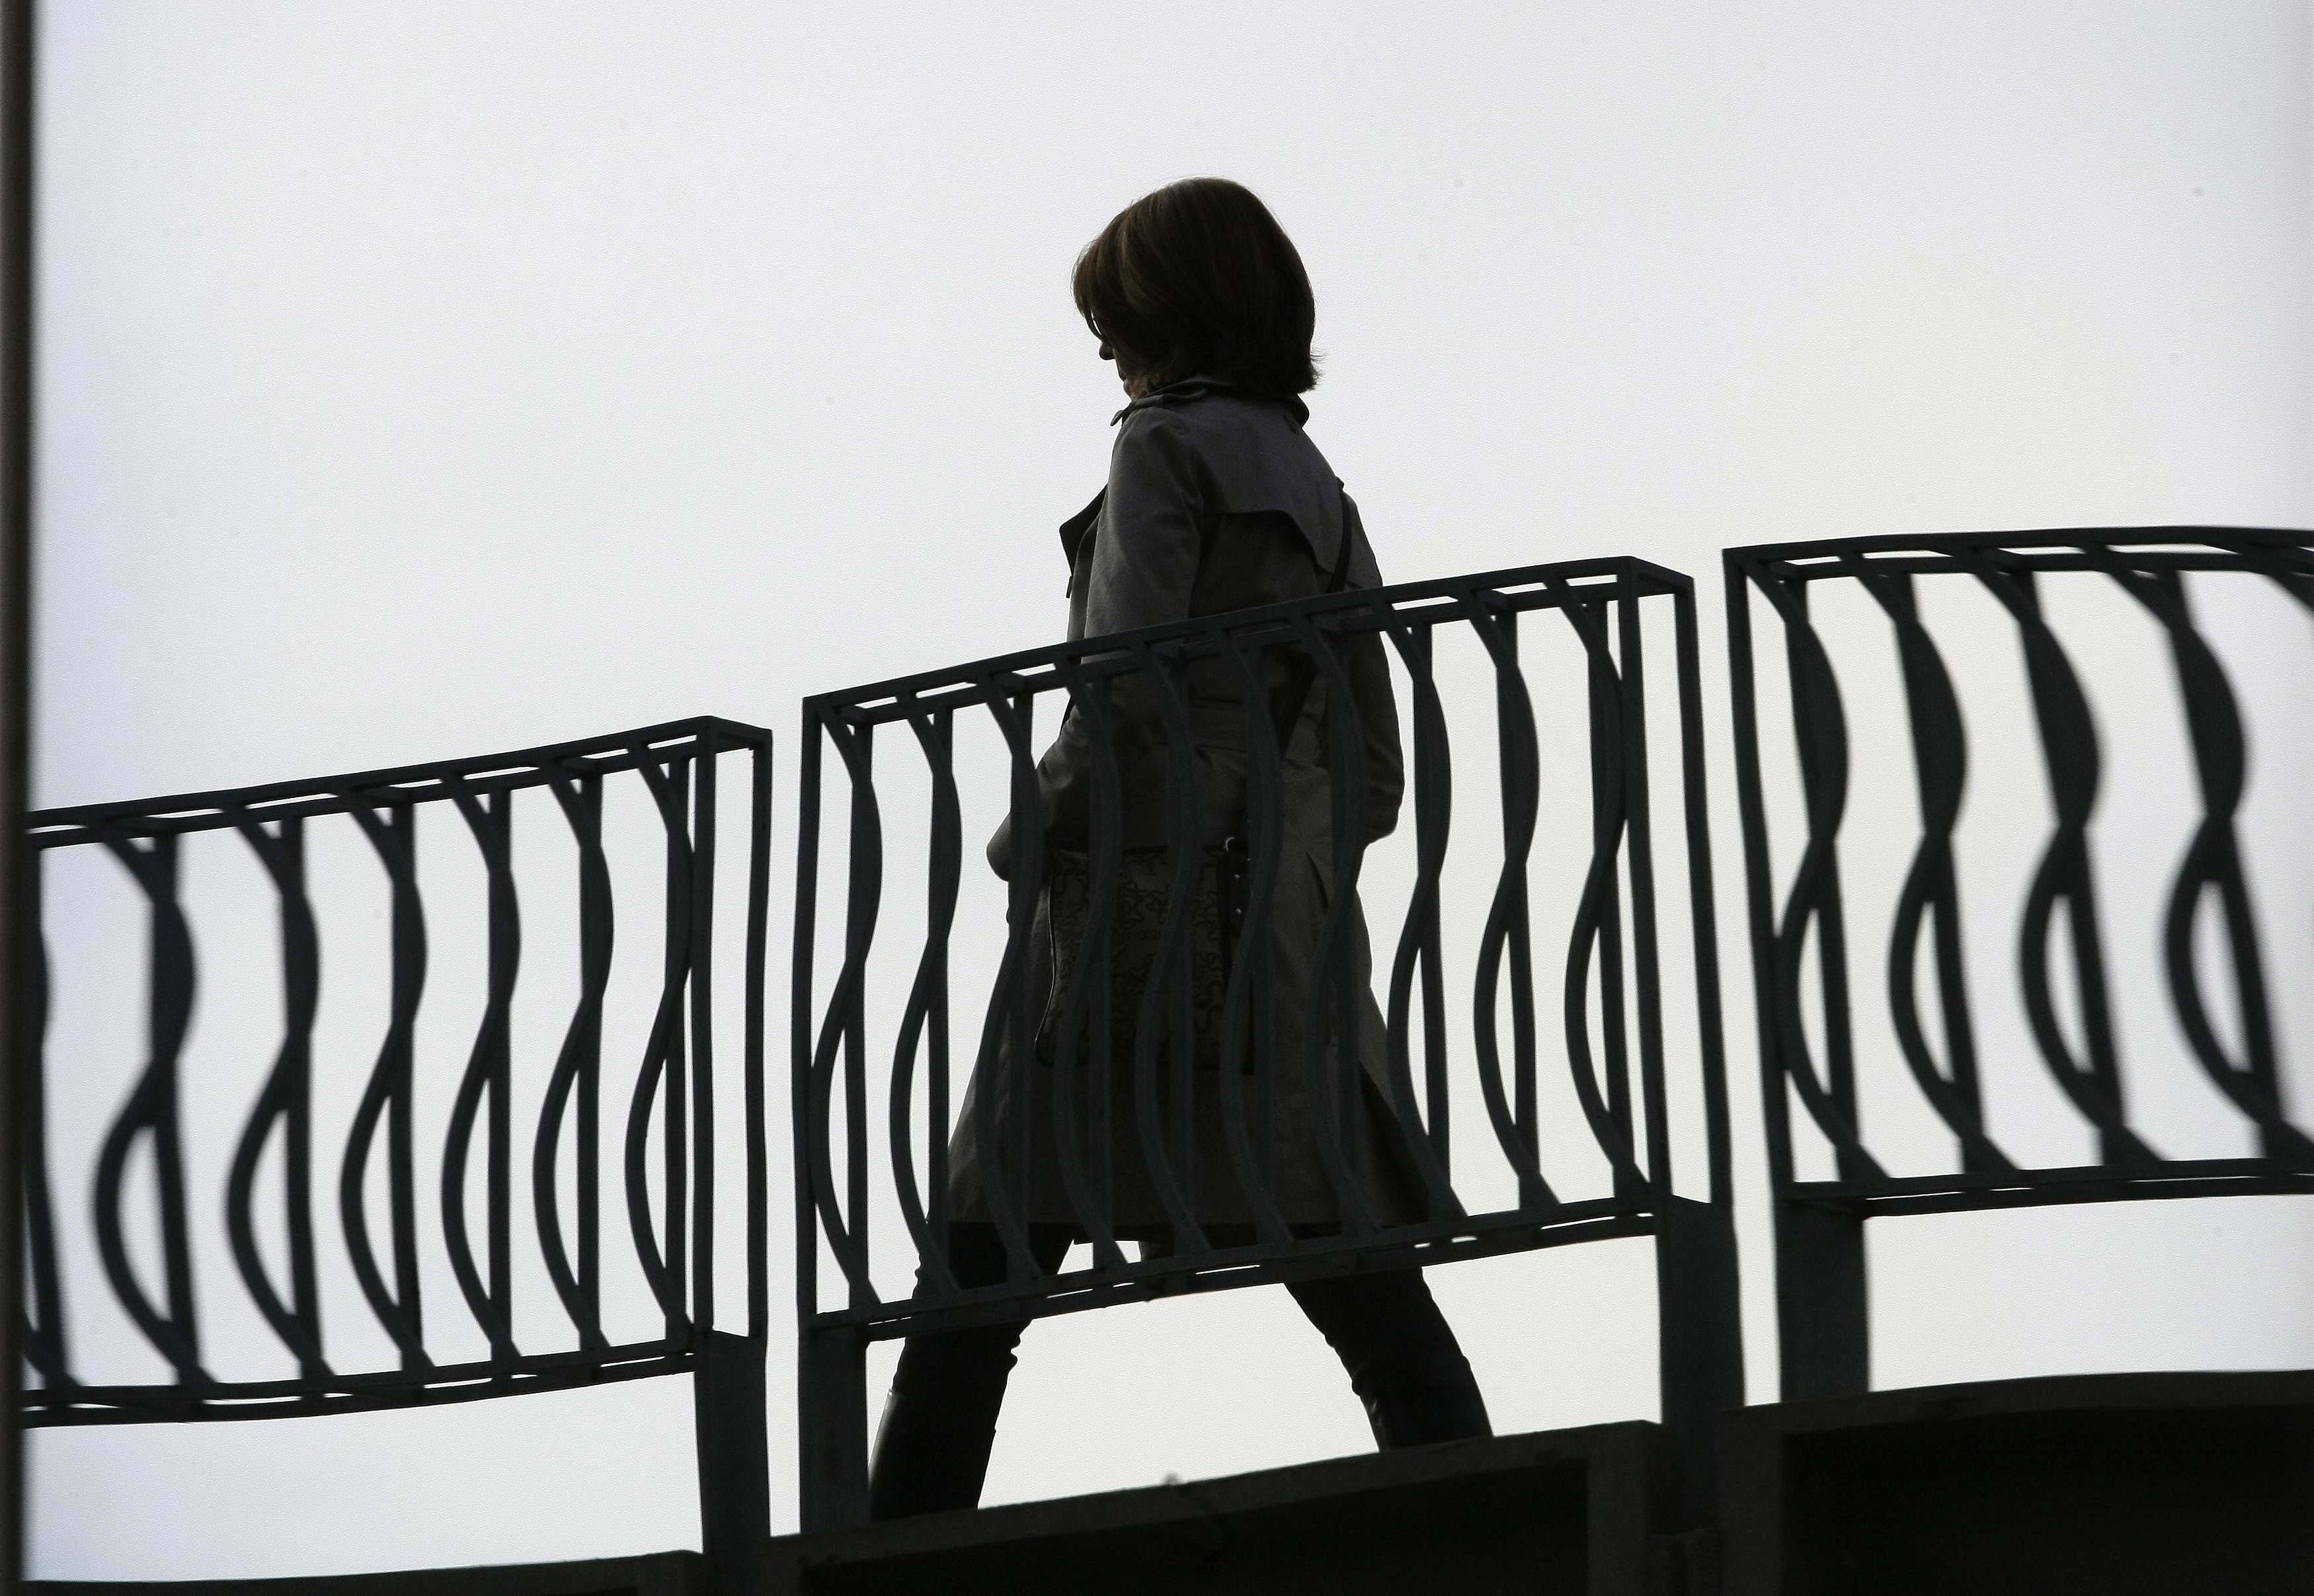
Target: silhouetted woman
[1216, 500]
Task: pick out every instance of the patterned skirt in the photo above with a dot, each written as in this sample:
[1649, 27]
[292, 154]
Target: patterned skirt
[1136, 928]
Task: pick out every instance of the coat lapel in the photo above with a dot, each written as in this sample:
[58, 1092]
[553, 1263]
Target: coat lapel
[1074, 531]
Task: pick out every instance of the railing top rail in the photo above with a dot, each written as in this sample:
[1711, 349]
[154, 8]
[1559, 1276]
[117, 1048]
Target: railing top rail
[2184, 548]
[430, 782]
[1518, 589]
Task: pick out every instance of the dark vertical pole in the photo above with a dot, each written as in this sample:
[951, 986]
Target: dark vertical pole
[676, 1147]
[1821, 1312]
[1699, 1339]
[727, 1385]
[1698, 1306]
[1710, 1038]
[1823, 1328]
[702, 1048]
[939, 752]
[759, 878]
[734, 1475]
[16, 921]
[1824, 1313]
[830, 1365]
[859, 886]
[1640, 841]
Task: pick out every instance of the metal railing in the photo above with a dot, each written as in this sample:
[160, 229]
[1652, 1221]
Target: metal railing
[1157, 1106]
[674, 1247]
[2067, 998]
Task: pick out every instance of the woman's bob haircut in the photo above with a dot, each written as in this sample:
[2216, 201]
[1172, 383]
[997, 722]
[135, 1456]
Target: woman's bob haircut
[1197, 278]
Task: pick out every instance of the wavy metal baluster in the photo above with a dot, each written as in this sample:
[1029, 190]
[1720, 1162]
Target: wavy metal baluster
[1820, 732]
[812, 1205]
[1507, 917]
[488, 1070]
[2071, 761]
[2292, 569]
[1106, 840]
[152, 1109]
[388, 1091]
[1598, 911]
[578, 1066]
[1931, 885]
[663, 1064]
[287, 1099]
[1173, 1171]
[44, 1325]
[751, 1037]
[845, 1006]
[1092, 1195]
[1027, 889]
[928, 1002]
[1337, 940]
[1248, 1039]
[1420, 945]
[1004, 1178]
[2212, 862]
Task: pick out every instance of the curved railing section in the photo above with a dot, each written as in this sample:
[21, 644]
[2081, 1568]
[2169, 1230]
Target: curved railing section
[384, 1244]
[1156, 1112]
[1820, 1246]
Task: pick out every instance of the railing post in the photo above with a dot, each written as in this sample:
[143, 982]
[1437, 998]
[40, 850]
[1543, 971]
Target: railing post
[1700, 1338]
[831, 1428]
[830, 1365]
[1700, 1332]
[735, 1479]
[1821, 1308]
[1822, 1329]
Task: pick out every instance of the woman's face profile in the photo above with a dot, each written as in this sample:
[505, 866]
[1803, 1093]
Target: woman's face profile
[1128, 370]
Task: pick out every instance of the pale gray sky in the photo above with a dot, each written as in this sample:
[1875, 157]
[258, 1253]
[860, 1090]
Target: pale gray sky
[419, 380]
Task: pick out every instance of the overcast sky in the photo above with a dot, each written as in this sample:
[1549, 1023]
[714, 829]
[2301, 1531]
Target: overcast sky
[419, 380]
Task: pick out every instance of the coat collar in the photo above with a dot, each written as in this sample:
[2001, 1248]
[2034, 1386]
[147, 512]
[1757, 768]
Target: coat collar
[1198, 386]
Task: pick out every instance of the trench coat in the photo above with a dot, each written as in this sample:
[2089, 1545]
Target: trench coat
[1216, 500]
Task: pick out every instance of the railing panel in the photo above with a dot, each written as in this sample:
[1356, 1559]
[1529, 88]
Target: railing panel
[2059, 1011]
[1207, 1085]
[402, 1098]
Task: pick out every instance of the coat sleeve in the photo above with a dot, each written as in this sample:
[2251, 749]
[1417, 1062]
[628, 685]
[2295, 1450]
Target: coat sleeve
[1144, 567]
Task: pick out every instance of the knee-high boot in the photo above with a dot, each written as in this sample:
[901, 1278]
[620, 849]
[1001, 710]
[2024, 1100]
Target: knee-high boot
[939, 1422]
[1401, 1356]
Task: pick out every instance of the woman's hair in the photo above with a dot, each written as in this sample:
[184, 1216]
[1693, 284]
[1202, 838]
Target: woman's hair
[1198, 278]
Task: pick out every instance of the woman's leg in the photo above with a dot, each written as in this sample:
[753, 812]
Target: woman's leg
[939, 1422]
[1402, 1358]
